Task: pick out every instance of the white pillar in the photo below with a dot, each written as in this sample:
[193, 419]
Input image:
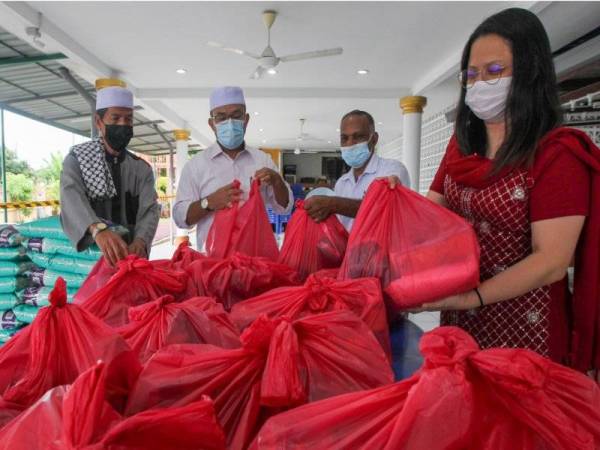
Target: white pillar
[412, 109]
[181, 158]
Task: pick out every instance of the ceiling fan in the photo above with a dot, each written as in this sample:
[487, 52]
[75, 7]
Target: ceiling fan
[268, 60]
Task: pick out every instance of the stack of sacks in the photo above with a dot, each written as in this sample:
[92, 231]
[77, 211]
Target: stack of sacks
[63, 341]
[310, 246]
[109, 292]
[80, 416]
[198, 320]
[282, 364]
[237, 278]
[14, 265]
[320, 294]
[49, 248]
[462, 398]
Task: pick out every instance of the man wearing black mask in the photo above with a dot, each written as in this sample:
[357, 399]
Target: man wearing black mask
[103, 185]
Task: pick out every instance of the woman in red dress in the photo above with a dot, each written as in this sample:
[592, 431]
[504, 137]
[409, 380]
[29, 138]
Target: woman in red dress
[526, 186]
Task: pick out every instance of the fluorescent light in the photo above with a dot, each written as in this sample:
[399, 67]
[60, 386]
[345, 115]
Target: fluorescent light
[296, 151]
[260, 130]
[181, 71]
[337, 129]
[362, 71]
[379, 123]
[256, 113]
[329, 142]
[264, 141]
[272, 72]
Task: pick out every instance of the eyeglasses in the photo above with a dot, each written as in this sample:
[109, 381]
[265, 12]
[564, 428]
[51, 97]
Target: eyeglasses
[222, 117]
[491, 74]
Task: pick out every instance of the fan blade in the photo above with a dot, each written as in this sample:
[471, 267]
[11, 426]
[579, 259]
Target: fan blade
[310, 55]
[232, 50]
[258, 73]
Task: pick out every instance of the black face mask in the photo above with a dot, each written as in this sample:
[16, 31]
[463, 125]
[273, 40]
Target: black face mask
[118, 136]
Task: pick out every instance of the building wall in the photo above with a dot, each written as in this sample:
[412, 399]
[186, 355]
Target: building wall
[307, 165]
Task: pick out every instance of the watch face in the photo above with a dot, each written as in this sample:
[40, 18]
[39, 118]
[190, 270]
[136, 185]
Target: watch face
[101, 226]
[204, 203]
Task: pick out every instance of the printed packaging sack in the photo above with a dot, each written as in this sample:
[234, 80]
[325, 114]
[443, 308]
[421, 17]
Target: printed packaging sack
[48, 277]
[243, 228]
[9, 236]
[461, 398]
[162, 322]
[135, 282]
[282, 364]
[80, 417]
[420, 251]
[51, 246]
[60, 263]
[39, 295]
[361, 296]
[237, 278]
[310, 246]
[48, 227]
[63, 341]
[12, 253]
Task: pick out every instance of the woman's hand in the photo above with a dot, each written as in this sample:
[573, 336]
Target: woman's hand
[461, 302]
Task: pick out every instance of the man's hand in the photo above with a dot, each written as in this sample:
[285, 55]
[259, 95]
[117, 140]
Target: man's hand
[392, 179]
[268, 177]
[112, 245]
[138, 247]
[224, 197]
[319, 207]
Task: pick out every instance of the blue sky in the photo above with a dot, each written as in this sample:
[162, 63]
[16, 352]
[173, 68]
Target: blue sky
[34, 141]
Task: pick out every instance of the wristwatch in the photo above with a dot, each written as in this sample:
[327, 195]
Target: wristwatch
[97, 228]
[204, 204]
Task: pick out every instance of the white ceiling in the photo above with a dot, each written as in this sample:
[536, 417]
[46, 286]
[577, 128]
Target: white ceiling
[407, 46]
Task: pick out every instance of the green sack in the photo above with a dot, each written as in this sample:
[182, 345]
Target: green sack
[25, 313]
[12, 268]
[65, 248]
[12, 253]
[12, 284]
[5, 335]
[73, 280]
[48, 227]
[62, 263]
[38, 295]
[7, 301]
[9, 236]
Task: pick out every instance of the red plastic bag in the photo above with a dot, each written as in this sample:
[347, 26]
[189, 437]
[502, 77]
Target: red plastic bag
[237, 278]
[101, 273]
[420, 251]
[63, 341]
[199, 320]
[244, 229]
[497, 399]
[137, 281]
[281, 364]
[362, 296]
[310, 246]
[184, 256]
[79, 417]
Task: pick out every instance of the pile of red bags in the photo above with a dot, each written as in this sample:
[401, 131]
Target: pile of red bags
[62, 342]
[199, 320]
[237, 278]
[310, 246]
[281, 364]
[136, 281]
[462, 398]
[79, 416]
[320, 294]
[420, 251]
[244, 229]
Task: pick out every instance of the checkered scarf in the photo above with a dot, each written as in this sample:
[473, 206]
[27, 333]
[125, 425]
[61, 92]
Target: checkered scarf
[94, 170]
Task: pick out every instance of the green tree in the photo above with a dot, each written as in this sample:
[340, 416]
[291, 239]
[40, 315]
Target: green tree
[52, 168]
[17, 166]
[20, 189]
[162, 184]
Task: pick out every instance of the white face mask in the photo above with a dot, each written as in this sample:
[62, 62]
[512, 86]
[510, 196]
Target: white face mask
[488, 101]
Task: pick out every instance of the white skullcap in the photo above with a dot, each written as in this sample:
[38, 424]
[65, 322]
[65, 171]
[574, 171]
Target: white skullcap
[226, 95]
[114, 97]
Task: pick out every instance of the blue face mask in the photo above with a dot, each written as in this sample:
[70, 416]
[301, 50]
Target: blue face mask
[230, 133]
[356, 155]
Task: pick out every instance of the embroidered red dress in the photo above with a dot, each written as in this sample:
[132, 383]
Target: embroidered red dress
[501, 210]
